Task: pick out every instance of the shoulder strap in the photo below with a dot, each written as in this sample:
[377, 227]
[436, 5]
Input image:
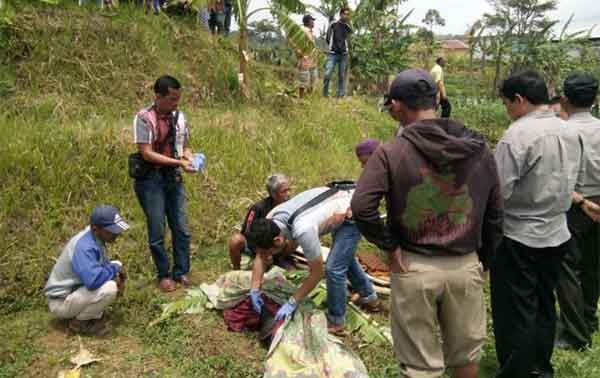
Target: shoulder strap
[312, 203]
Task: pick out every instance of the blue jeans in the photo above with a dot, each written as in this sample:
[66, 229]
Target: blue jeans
[161, 195]
[342, 264]
[332, 60]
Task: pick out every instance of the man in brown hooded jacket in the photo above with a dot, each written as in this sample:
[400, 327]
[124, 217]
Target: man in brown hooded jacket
[444, 207]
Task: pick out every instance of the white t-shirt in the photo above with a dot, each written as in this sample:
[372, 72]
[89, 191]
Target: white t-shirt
[311, 223]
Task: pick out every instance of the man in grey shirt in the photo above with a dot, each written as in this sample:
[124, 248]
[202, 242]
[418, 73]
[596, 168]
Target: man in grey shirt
[304, 219]
[537, 163]
[578, 285]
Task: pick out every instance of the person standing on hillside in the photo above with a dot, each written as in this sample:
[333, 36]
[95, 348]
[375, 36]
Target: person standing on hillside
[578, 283]
[537, 161]
[337, 40]
[278, 190]
[162, 135]
[83, 283]
[444, 211]
[438, 76]
[307, 64]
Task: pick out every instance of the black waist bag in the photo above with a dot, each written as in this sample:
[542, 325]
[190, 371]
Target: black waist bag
[138, 167]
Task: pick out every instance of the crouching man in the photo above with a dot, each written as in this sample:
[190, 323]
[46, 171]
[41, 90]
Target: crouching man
[83, 282]
[304, 219]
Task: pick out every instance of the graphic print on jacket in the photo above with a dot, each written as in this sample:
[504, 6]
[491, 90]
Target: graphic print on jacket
[437, 211]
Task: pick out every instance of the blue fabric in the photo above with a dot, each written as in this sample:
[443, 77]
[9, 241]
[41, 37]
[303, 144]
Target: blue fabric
[162, 195]
[90, 264]
[332, 60]
[342, 264]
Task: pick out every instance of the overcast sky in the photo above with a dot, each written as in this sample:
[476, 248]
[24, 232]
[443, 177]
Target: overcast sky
[459, 14]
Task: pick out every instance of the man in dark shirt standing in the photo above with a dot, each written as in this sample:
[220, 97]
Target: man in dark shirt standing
[444, 207]
[278, 188]
[337, 40]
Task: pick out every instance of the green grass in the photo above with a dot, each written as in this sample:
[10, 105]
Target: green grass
[69, 87]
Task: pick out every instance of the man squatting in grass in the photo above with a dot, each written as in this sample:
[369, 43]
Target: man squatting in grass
[83, 283]
[538, 160]
[278, 190]
[162, 137]
[444, 211]
[578, 283]
[303, 219]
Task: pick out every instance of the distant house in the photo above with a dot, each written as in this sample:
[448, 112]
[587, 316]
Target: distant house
[454, 47]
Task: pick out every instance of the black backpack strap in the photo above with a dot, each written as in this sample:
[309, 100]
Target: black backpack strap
[173, 131]
[312, 203]
[342, 185]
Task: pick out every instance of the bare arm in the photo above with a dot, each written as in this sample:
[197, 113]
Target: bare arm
[258, 270]
[154, 157]
[315, 275]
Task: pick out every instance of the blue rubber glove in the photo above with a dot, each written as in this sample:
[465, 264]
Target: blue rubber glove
[257, 301]
[198, 162]
[286, 310]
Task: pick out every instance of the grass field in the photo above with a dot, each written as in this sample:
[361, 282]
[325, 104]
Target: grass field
[66, 133]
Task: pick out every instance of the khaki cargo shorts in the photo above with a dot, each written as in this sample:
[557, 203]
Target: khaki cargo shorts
[308, 78]
[438, 314]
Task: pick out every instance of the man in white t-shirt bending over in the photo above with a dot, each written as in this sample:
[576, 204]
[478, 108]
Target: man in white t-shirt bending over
[304, 219]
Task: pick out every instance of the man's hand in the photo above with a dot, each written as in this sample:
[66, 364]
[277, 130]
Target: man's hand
[286, 310]
[257, 301]
[397, 261]
[187, 166]
[591, 209]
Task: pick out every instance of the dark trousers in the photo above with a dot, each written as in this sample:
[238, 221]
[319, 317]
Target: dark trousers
[578, 286]
[523, 280]
[161, 195]
[446, 108]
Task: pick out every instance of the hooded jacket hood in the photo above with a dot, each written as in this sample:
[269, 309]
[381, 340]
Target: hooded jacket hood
[444, 143]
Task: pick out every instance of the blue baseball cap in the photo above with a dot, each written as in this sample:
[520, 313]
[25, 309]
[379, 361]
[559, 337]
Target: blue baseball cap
[107, 218]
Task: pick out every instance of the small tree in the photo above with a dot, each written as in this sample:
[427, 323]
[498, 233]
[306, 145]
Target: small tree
[433, 18]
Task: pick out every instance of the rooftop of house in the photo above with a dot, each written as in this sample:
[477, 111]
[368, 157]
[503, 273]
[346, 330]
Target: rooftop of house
[454, 44]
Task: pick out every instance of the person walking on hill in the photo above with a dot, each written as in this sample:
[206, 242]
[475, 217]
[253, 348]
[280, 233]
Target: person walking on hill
[444, 211]
[83, 283]
[307, 64]
[278, 189]
[337, 41]
[537, 161]
[162, 135]
[438, 76]
[578, 283]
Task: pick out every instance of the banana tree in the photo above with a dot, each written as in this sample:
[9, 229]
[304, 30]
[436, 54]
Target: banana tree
[280, 9]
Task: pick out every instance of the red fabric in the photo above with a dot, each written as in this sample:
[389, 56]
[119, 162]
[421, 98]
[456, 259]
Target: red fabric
[163, 143]
[244, 318]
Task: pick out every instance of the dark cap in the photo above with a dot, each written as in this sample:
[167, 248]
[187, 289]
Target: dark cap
[306, 18]
[108, 218]
[579, 84]
[413, 82]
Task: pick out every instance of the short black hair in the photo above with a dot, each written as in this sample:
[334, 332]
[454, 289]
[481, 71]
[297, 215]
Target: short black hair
[554, 100]
[528, 84]
[262, 232]
[163, 83]
[581, 89]
[344, 9]
[439, 59]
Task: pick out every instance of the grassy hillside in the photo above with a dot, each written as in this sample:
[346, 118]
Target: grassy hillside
[70, 83]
